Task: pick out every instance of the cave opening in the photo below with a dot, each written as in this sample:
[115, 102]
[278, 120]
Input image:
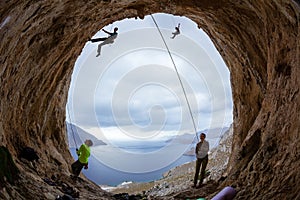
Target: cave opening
[41, 40]
[127, 98]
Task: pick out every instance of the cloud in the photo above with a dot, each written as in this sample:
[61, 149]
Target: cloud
[134, 86]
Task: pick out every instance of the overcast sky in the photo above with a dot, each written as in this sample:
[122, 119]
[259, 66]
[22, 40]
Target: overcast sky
[132, 91]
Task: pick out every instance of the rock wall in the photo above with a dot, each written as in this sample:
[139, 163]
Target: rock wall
[259, 41]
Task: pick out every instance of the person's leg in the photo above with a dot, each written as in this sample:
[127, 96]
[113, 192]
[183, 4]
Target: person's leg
[76, 168]
[198, 163]
[203, 167]
[99, 49]
[108, 41]
[98, 39]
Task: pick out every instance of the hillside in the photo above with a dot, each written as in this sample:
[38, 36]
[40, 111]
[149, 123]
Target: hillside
[179, 179]
[79, 135]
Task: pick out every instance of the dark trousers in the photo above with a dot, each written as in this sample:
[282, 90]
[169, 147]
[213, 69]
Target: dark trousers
[203, 163]
[98, 39]
[77, 167]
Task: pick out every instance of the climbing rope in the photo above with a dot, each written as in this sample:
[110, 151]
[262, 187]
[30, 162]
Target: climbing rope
[71, 125]
[178, 76]
[174, 23]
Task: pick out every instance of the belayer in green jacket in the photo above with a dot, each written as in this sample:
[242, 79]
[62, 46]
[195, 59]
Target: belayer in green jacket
[83, 153]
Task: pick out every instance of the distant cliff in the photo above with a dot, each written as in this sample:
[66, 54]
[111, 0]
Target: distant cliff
[213, 136]
[79, 135]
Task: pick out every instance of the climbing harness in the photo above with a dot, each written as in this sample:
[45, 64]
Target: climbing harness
[178, 76]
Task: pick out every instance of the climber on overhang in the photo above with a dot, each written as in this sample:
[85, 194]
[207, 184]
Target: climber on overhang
[106, 40]
[177, 31]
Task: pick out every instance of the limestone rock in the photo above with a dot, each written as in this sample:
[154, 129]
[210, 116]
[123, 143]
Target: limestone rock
[258, 40]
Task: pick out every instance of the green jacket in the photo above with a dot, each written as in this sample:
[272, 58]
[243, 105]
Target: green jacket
[84, 153]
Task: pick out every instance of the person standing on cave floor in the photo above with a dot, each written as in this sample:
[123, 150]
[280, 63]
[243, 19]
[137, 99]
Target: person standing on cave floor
[106, 40]
[201, 151]
[83, 153]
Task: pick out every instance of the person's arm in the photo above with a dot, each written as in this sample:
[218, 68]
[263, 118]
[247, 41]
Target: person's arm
[80, 150]
[86, 166]
[206, 147]
[197, 148]
[105, 31]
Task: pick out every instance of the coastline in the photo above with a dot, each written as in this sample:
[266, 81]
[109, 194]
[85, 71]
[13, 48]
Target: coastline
[109, 177]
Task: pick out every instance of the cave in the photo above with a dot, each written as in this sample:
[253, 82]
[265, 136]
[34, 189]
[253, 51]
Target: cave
[41, 40]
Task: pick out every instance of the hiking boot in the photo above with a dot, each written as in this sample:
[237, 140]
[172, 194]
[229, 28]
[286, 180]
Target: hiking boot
[199, 185]
[73, 177]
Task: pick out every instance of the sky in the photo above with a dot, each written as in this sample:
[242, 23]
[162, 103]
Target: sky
[132, 91]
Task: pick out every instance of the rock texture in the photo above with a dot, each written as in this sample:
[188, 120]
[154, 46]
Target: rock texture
[259, 41]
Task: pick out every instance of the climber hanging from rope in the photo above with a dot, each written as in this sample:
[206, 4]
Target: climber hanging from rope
[175, 67]
[177, 31]
[106, 40]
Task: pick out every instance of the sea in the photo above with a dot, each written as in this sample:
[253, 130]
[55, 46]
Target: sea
[106, 164]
